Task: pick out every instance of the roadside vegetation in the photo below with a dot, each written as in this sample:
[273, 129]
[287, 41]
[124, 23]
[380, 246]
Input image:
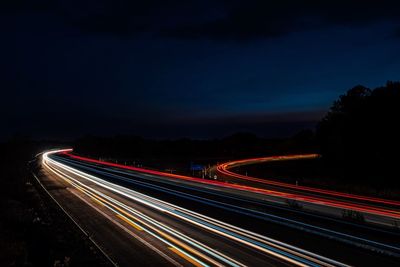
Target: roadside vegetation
[178, 155]
[352, 215]
[359, 142]
[294, 204]
[360, 136]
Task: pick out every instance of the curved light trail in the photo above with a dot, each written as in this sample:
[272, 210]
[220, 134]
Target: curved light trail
[224, 169]
[144, 182]
[197, 253]
[313, 199]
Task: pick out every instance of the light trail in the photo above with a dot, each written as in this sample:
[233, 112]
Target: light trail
[134, 217]
[224, 169]
[261, 243]
[317, 200]
[348, 238]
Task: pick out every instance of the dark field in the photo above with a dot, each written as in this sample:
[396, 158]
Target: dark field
[317, 173]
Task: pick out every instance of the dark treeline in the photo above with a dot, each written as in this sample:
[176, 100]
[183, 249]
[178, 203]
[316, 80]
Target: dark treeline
[235, 146]
[359, 137]
[14, 157]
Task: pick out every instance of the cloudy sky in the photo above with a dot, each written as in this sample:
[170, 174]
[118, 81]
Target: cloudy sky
[201, 68]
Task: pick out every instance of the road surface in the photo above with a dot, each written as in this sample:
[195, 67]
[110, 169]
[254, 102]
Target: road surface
[180, 222]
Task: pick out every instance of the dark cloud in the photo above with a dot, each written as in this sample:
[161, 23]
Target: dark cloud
[56, 77]
[260, 19]
[211, 19]
[120, 17]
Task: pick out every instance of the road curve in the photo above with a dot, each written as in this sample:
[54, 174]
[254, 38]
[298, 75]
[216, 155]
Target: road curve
[245, 210]
[224, 169]
[179, 235]
[314, 197]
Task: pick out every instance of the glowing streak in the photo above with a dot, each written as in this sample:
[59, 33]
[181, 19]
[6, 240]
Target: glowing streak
[303, 198]
[232, 207]
[123, 214]
[224, 169]
[184, 256]
[201, 220]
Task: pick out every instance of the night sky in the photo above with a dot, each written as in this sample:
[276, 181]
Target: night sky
[200, 69]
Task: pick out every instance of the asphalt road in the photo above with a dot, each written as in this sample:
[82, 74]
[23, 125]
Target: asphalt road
[383, 212]
[155, 220]
[366, 202]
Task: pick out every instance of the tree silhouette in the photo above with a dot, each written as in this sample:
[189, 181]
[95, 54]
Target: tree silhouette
[361, 134]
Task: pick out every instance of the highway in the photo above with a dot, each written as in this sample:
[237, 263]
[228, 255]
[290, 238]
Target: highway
[224, 169]
[185, 222]
[368, 206]
[313, 199]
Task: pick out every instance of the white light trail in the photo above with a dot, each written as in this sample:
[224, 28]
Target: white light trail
[159, 230]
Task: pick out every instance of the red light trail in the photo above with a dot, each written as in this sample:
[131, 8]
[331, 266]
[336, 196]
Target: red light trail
[318, 200]
[224, 169]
